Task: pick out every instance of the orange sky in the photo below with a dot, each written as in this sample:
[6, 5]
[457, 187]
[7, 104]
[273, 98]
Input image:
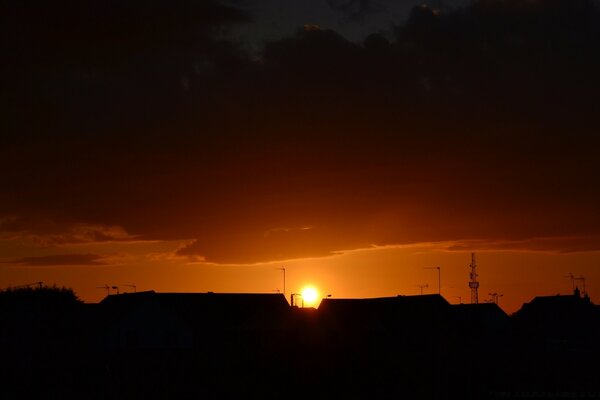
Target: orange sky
[388, 271]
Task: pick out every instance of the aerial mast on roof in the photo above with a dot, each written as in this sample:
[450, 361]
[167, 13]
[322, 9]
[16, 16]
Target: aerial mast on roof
[105, 287]
[495, 297]
[572, 281]
[582, 279]
[131, 286]
[473, 283]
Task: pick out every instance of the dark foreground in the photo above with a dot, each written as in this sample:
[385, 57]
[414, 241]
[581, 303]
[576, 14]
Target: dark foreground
[203, 346]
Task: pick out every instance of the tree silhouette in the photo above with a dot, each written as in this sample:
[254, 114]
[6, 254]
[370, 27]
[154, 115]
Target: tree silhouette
[48, 295]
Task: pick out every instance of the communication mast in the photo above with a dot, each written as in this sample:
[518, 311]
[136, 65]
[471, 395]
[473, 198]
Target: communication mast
[473, 283]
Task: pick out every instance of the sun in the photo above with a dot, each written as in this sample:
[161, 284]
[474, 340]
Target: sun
[310, 295]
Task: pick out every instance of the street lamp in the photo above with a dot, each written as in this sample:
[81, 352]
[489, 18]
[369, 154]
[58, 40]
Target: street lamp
[439, 278]
[283, 269]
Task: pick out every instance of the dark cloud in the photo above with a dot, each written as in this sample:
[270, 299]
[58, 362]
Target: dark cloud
[475, 124]
[545, 244]
[60, 260]
[354, 10]
[96, 66]
[102, 34]
[271, 245]
[50, 233]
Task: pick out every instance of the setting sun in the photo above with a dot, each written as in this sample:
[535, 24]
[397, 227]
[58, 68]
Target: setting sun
[310, 295]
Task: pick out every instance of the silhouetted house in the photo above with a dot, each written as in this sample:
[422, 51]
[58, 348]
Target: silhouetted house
[400, 341]
[564, 323]
[205, 321]
[401, 320]
[142, 321]
[482, 321]
[555, 345]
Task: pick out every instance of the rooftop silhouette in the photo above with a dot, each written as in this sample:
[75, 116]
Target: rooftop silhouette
[189, 345]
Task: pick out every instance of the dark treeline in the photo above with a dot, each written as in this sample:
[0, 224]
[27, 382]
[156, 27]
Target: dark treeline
[207, 345]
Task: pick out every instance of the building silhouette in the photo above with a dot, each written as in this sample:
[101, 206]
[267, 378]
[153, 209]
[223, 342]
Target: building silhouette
[219, 345]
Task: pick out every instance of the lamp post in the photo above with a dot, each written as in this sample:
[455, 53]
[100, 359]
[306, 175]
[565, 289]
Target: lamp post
[283, 269]
[439, 278]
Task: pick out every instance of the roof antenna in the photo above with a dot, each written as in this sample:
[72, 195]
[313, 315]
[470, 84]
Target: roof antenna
[572, 281]
[582, 279]
[131, 286]
[106, 287]
[495, 297]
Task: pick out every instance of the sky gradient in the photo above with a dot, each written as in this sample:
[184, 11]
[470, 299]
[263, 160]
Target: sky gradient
[199, 145]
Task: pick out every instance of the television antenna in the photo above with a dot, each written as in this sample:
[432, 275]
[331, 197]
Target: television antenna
[105, 287]
[131, 286]
[582, 279]
[572, 277]
[495, 297]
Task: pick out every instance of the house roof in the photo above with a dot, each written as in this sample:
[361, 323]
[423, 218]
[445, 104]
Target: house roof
[210, 298]
[419, 312]
[479, 310]
[556, 303]
[218, 309]
[432, 301]
[559, 310]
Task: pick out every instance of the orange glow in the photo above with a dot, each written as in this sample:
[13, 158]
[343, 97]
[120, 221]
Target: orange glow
[310, 295]
[394, 270]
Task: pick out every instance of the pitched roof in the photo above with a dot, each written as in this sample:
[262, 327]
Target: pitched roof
[431, 301]
[222, 309]
[243, 300]
[394, 313]
[555, 304]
